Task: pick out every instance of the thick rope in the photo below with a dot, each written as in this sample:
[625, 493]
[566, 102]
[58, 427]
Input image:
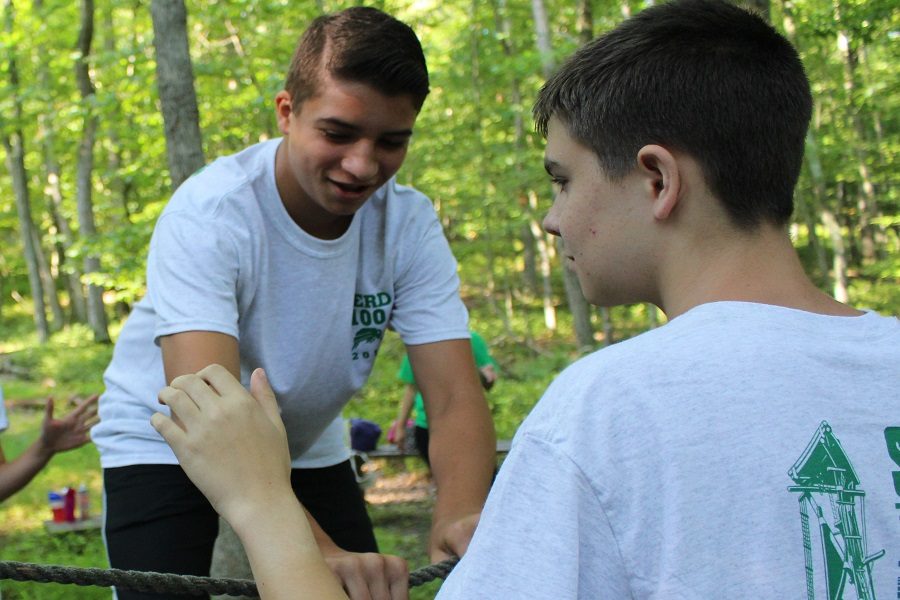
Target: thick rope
[168, 583]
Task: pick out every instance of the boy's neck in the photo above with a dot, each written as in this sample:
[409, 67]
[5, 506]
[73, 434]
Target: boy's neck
[761, 267]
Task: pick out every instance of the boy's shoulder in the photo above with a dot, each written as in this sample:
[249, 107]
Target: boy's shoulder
[704, 350]
[400, 209]
[231, 177]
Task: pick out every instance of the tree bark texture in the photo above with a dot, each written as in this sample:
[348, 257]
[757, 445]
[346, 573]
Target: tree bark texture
[84, 185]
[14, 145]
[581, 313]
[175, 75]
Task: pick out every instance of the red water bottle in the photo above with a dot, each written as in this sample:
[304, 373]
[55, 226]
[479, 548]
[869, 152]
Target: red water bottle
[69, 495]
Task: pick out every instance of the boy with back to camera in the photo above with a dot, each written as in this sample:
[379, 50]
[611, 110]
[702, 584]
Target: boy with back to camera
[749, 448]
[295, 255]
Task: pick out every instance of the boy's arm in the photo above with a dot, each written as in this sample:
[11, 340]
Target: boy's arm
[462, 443]
[57, 435]
[192, 351]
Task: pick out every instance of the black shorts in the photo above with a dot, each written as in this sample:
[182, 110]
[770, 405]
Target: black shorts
[157, 520]
[421, 435]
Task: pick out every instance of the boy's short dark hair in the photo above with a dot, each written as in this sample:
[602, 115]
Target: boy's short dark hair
[700, 76]
[359, 44]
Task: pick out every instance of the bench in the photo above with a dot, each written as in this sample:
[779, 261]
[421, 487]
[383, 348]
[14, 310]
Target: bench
[366, 477]
[392, 451]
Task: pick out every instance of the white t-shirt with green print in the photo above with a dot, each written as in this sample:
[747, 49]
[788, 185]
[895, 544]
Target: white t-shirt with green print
[226, 257]
[740, 451]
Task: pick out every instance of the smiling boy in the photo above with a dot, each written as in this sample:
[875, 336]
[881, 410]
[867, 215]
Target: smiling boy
[295, 255]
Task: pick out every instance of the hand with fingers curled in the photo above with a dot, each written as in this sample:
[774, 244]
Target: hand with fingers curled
[369, 576]
[451, 536]
[230, 442]
[71, 431]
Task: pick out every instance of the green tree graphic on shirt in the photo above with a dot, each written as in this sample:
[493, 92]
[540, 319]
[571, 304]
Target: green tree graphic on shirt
[366, 334]
[829, 491]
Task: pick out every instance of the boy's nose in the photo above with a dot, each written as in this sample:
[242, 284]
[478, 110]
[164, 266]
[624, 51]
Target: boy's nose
[551, 223]
[361, 162]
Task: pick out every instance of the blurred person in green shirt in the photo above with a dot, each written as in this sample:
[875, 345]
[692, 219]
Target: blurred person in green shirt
[412, 399]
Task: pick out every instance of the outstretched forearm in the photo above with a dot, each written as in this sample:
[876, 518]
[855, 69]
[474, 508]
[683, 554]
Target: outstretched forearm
[461, 444]
[283, 554]
[462, 451]
[16, 474]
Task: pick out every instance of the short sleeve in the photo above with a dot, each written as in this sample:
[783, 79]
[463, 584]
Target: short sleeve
[427, 306]
[192, 275]
[480, 350]
[543, 534]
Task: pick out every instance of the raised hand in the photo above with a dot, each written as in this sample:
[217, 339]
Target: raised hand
[230, 442]
[71, 431]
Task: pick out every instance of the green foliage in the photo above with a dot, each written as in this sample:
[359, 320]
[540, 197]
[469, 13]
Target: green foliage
[70, 363]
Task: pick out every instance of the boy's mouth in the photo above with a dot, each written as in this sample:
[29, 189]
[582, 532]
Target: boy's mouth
[349, 188]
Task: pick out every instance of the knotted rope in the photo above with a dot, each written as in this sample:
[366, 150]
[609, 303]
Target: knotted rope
[168, 583]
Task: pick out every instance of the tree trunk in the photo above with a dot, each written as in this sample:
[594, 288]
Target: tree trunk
[485, 178]
[48, 283]
[184, 144]
[871, 235]
[543, 249]
[806, 212]
[84, 186]
[14, 144]
[841, 293]
[581, 314]
[504, 25]
[53, 192]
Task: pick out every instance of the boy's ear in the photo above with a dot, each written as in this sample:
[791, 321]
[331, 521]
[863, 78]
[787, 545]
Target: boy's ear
[283, 109]
[659, 169]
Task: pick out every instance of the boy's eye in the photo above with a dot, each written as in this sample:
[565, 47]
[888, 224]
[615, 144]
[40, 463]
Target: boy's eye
[336, 136]
[393, 144]
[558, 182]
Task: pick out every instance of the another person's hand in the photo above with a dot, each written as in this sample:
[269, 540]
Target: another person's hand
[71, 431]
[235, 453]
[488, 376]
[369, 576]
[451, 537]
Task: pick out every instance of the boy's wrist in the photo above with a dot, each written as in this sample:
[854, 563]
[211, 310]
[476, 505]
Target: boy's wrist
[43, 449]
[251, 512]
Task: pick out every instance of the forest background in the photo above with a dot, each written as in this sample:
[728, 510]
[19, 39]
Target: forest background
[107, 105]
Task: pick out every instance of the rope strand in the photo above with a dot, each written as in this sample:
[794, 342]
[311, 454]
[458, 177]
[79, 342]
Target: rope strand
[169, 583]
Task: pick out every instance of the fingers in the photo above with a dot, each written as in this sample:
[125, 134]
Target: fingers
[262, 391]
[220, 379]
[398, 574]
[48, 409]
[172, 433]
[85, 405]
[181, 403]
[373, 576]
